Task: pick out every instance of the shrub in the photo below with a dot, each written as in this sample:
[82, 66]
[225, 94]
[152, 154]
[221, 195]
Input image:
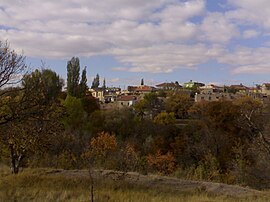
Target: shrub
[103, 144]
[162, 163]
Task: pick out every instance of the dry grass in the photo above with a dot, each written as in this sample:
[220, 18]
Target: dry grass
[44, 185]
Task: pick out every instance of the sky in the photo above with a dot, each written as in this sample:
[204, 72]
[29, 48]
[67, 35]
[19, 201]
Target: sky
[210, 41]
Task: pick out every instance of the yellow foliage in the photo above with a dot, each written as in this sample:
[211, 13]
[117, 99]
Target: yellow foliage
[165, 118]
[130, 156]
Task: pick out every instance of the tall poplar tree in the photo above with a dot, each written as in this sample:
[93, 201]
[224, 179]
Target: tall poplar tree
[95, 83]
[104, 84]
[73, 76]
[83, 83]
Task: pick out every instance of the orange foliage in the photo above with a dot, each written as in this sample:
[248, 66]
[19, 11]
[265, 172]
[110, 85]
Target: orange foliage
[103, 144]
[162, 163]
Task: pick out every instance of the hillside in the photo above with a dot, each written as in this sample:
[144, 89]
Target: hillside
[74, 185]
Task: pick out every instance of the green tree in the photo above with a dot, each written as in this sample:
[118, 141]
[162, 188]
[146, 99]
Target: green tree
[73, 76]
[83, 83]
[95, 83]
[45, 83]
[104, 84]
[76, 116]
[142, 82]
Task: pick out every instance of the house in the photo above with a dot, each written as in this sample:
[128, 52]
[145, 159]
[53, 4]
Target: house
[238, 88]
[214, 96]
[265, 88]
[98, 93]
[169, 86]
[256, 89]
[191, 84]
[105, 95]
[110, 94]
[140, 89]
[126, 101]
[209, 89]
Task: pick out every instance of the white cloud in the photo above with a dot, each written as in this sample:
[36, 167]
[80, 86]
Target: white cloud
[181, 11]
[165, 58]
[216, 28]
[138, 33]
[252, 69]
[251, 33]
[251, 12]
[247, 60]
[144, 36]
[120, 68]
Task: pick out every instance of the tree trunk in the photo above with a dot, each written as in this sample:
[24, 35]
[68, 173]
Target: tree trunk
[15, 160]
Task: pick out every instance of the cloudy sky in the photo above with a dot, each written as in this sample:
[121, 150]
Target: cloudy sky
[211, 41]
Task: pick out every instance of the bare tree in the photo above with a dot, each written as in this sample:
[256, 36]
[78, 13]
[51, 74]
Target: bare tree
[12, 70]
[12, 65]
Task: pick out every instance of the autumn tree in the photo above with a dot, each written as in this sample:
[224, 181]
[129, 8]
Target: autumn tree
[150, 105]
[226, 124]
[165, 118]
[251, 117]
[101, 148]
[163, 163]
[35, 113]
[178, 103]
[140, 108]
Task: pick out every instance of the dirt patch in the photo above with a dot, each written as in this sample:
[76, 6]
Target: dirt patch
[165, 183]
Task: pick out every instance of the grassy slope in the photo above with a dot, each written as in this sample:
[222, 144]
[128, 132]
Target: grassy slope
[39, 185]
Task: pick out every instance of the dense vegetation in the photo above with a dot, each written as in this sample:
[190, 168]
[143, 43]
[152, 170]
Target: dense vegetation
[43, 126]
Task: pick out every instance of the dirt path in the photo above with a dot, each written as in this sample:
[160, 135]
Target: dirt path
[165, 183]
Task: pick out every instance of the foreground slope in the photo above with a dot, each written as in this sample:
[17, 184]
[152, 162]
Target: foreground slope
[74, 185]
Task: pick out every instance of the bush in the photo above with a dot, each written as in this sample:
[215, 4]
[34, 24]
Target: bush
[164, 164]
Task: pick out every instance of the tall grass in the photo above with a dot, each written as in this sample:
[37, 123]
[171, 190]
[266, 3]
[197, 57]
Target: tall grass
[38, 185]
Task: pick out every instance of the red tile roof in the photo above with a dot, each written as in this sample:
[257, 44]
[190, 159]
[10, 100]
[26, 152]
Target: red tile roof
[140, 88]
[127, 98]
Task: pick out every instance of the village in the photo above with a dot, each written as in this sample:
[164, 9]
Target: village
[116, 98]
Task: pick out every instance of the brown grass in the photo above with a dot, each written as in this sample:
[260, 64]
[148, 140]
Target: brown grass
[55, 185]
